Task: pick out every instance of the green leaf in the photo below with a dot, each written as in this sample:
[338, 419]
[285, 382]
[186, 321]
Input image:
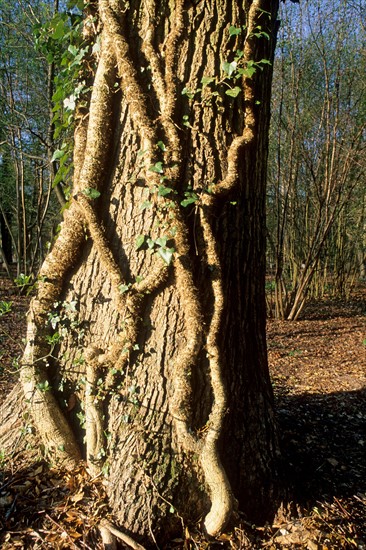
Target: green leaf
[206, 80]
[139, 241]
[123, 288]
[161, 146]
[73, 50]
[187, 202]
[163, 191]
[91, 193]
[264, 62]
[166, 254]
[229, 68]
[57, 154]
[53, 339]
[190, 198]
[157, 167]
[248, 72]
[59, 31]
[260, 34]
[234, 31]
[146, 204]
[186, 121]
[161, 241]
[189, 93]
[69, 102]
[234, 92]
[5, 307]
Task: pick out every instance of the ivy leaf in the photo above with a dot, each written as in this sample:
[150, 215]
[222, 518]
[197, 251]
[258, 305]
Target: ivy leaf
[163, 191]
[91, 193]
[73, 49]
[189, 93]
[69, 102]
[145, 205]
[234, 92]
[140, 239]
[187, 202]
[57, 154]
[248, 72]
[123, 288]
[260, 34]
[59, 31]
[234, 31]
[157, 167]
[166, 254]
[161, 241]
[186, 121]
[264, 62]
[229, 68]
[206, 80]
[238, 55]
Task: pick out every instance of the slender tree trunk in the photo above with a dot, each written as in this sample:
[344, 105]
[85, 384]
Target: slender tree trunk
[6, 240]
[152, 297]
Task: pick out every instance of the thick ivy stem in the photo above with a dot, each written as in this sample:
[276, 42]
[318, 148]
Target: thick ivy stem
[215, 475]
[94, 421]
[180, 403]
[127, 73]
[47, 415]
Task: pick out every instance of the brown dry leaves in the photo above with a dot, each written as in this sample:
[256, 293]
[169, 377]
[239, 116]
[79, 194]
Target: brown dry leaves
[41, 507]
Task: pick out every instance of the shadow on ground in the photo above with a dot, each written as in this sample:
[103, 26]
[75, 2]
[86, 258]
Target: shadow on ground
[324, 444]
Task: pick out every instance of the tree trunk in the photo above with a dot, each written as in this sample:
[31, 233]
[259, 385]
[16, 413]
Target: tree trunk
[6, 241]
[147, 334]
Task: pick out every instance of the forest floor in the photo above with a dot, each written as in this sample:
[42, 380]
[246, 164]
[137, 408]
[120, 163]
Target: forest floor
[318, 368]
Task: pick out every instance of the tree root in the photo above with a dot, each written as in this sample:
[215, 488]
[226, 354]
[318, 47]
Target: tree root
[109, 527]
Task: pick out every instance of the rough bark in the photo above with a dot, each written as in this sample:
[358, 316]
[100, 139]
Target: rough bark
[160, 355]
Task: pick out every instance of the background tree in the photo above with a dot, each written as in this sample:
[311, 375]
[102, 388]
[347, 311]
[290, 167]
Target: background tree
[25, 196]
[146, 337]
[36, 140]
[317, 161]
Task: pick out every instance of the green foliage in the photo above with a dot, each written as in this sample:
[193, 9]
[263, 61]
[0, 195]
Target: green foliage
[123, 288]
[53, 339]
[61, 41]
[5, 307]
[24, 282]
[91, 193]
[64, 319]
[231, 71]
[191, 198]
[44, 386]
[157, 167]
[159, 245]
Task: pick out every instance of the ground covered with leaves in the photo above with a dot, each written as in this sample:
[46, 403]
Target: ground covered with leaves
[318, 368]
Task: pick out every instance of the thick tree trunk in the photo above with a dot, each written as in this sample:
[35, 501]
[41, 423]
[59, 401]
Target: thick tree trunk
[152, 298]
